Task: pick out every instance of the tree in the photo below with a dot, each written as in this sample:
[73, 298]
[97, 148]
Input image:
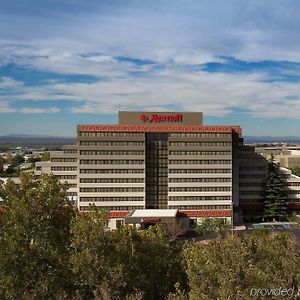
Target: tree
[8, 159]
[45, 156]
[35, 239]
[275, 195]
[17, 160]
[124, 262]
[33, 159]
[1, 164]
[95, 258]
[296, 170]
[213, 225]
[229, 268]
[157, 264]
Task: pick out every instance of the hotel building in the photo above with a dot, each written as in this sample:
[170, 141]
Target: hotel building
[160, 161]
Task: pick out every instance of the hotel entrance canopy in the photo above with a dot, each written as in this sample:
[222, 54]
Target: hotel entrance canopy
[139, 216]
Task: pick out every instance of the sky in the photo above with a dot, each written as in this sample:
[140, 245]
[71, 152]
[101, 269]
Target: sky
[68, 62]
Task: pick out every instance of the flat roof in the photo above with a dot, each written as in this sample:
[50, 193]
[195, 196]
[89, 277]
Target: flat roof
[154, 213]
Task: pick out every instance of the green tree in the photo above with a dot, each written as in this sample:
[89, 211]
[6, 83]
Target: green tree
[157, 264]
[33, 159]
[124, 262]
[275, 194]
[1, 164]
[35, 239]
[228, 268]
[213, 225]
[9, 159]
[17, 160]
[95, 258]
[45, 156]
[296, 170]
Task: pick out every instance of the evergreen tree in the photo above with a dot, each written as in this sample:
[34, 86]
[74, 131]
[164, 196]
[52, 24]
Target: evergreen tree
[275, 198]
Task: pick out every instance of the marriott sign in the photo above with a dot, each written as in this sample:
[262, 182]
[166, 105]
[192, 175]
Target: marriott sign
[155, 118]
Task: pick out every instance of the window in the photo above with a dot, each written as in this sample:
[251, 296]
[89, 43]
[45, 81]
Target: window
[111, 171]
[112, 152]
[111, 180]
[199, 189]
[108, 199]
[111, 162]
[111, 190]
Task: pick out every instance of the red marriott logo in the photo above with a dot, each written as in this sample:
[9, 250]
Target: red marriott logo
[154, 118]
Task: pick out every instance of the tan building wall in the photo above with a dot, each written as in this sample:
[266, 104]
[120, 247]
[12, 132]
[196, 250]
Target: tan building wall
[159, 118]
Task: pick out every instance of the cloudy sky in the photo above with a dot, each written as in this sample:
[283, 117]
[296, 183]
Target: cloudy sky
[64, 62]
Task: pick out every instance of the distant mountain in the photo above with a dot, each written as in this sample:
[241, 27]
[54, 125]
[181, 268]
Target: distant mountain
[24, 140]
[33, 136]
[271, 139]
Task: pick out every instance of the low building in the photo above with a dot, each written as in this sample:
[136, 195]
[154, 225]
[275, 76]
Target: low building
[64, 165]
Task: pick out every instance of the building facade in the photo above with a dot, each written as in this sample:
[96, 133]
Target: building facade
[153, 160]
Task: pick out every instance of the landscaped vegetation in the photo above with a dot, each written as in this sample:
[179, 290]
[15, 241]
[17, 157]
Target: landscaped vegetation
[50, 251]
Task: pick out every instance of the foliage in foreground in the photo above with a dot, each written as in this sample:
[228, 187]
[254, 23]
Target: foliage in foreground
[213, 225]
[48, 251]
[228, 268]
[34, 239]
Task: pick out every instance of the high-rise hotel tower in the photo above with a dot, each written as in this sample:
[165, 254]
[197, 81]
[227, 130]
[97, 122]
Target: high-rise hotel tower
[161, 161]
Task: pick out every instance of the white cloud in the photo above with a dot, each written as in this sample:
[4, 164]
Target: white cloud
[6, 108]
[29, 110]
[9, 83]
[175, 35]
[180, 31]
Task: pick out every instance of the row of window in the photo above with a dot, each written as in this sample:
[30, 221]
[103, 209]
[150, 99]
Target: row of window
[63, 168]
[111, 143]
[112, 152]
[69, 151]
[199, 207]
[252, 176]
[141, 134]
[199, 171]
[112, 161]
[200, 189]
[137, 152]
[293, 192]
[112, 208]
[293, 183]
[259, 193]
[126, 134]
[107, 199]
[63, 159]
[198, 134]
[252, 168]
[67, 176]
[111, 190]
[111, 171]
[200, 162]
[252, 183]
[71, 194]
[193, 144]
[183, 152]
[111, 180]
[252, 201]
[198, 198]
[200, 180]
[72, 185]
[141, 143]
